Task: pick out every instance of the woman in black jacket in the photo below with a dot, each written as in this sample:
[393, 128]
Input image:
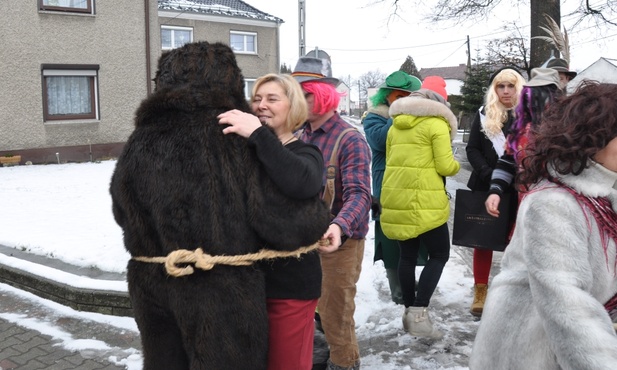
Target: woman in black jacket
[293, 285]
[486, 144]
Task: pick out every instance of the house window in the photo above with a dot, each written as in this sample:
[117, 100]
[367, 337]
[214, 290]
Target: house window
[71, 6]
[175, 37]
[248, 88]
[70, 92]
[243, 42]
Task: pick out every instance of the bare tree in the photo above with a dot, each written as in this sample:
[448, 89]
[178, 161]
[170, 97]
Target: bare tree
[512, 50]
[347, 80]
[371, 79]
[461, 11]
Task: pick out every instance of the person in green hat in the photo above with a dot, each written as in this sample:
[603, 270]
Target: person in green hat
[376, 124]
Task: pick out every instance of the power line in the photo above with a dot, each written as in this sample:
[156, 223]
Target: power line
[399, 48]
[462, 42]
[457, 49]
[472, 38]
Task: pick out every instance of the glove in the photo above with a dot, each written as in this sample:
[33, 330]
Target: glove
[375, 207]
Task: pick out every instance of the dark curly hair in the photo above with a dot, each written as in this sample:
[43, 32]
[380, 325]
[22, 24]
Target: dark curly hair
[573, 130]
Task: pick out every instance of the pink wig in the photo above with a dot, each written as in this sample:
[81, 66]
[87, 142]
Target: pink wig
[325, 95]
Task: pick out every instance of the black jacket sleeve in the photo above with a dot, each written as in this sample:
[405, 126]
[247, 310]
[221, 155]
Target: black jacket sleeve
[476, 155]
[297, 168]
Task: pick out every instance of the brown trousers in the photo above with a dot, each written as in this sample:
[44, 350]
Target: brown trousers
[341, 271]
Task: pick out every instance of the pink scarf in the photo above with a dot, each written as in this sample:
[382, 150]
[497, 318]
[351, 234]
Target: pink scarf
[606, 218]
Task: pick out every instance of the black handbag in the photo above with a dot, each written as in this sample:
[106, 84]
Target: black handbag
[474, 227]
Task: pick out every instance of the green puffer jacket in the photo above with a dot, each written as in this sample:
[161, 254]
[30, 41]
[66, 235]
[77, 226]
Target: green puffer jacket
[418, 157]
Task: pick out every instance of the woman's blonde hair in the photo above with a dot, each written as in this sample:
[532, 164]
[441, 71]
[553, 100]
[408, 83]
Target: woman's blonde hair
[298, 109]
[496, 113]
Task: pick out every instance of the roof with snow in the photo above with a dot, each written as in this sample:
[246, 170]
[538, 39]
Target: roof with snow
[603, 70]
[233, 8]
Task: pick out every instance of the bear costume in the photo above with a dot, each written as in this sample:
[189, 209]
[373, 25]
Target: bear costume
[180, 183]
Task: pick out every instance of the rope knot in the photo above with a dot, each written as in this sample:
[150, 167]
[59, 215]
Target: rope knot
[183, 262]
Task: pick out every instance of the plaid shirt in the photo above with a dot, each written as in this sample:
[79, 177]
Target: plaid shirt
[352, 200]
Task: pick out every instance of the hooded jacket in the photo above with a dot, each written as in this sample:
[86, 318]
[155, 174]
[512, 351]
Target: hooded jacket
[418, 157]
[545, 309]
[376, 125]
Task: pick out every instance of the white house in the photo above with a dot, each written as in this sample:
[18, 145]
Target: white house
[454, 76]
[602, 70]
[344, 106]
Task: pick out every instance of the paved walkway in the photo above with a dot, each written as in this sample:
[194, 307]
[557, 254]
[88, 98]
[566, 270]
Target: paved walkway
[49, 336]
[26, 349]
[28, 342]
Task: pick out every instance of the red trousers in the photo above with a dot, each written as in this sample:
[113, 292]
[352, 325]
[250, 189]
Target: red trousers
[482, 262]
[292, 328]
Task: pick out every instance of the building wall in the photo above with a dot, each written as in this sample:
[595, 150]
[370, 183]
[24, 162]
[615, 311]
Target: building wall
[114, 38]
[603, 70]
[344, 106]
[453, 86]
[214, 28]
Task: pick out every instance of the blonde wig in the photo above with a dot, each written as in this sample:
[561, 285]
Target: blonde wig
[298, 108]
[495, 112]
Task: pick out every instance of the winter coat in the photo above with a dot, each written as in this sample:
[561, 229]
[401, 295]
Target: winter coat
[418, 157]
[376, 125]
[180, 183]
[545, 309]
[481, 152]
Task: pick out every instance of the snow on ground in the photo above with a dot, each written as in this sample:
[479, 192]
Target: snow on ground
[64, 212]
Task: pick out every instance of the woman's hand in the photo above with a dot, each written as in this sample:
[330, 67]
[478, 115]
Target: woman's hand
[240, 123]
[492, 205]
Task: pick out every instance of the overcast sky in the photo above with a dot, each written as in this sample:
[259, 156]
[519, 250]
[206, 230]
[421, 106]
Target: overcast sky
[362, 35]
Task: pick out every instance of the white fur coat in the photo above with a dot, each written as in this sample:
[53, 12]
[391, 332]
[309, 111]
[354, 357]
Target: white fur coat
[545, 309]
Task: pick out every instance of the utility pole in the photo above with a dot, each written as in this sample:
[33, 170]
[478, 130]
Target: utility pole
[301, 27]
[360, 107]
[468, 56]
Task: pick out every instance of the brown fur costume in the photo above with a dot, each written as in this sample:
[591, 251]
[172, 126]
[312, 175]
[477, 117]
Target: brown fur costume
[181, 184]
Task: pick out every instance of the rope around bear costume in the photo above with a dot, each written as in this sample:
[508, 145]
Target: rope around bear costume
[174, 260]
